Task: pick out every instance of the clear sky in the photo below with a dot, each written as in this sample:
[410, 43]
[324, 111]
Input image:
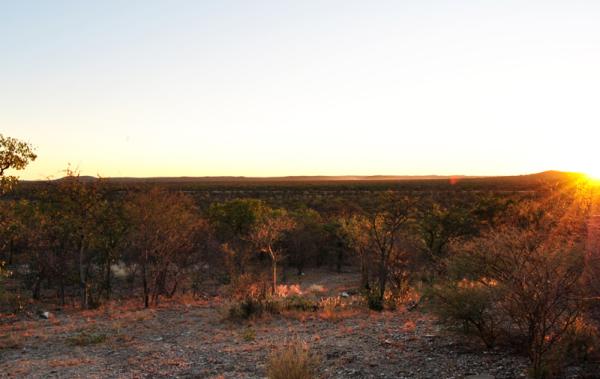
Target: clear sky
[268, 88]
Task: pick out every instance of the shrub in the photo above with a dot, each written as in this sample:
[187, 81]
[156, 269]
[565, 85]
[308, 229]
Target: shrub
[251, 307]
[527, 279]
[293, 361]
[245, 309]
[471, 304]
[299, 303]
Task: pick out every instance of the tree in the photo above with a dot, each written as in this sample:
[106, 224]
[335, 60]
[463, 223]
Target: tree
[355, 231]
[385, 226]
[438, 227]
[162, 233]
[234, 221]
[266, 235]
[113, 228]
[303, 241]
[73, 207]
[15, 155]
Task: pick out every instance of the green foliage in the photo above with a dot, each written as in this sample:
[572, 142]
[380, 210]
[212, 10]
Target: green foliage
[16, 155]
[439, 225]
[236, 219]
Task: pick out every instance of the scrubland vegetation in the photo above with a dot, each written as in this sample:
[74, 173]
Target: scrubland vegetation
[506, 266]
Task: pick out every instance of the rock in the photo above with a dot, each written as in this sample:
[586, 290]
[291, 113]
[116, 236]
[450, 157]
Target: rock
[345, 294]
[44, 314]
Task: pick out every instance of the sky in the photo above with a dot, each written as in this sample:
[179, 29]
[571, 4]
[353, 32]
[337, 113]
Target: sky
[274, 88]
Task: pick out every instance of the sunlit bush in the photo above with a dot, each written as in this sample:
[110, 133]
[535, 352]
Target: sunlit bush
[517, 282]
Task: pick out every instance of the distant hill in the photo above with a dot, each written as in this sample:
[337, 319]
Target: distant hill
[550, 175]
[514, 182]
[543, 176]
[208, 179]
[530, 182]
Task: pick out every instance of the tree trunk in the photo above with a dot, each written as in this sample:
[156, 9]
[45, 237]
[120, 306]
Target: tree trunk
[274, 267]
[340, 259]
[107, 279]
[274, 275]
[145, 280]
[382, 276]
[10, 251]
[36, 287]
[364, 273]
[82, 275]
[62, 291]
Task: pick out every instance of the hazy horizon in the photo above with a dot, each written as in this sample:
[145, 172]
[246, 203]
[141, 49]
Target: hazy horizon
[267, 89]
[309, 177]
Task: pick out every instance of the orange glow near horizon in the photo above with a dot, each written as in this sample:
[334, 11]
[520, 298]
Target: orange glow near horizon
[594, 179]
[592, 172]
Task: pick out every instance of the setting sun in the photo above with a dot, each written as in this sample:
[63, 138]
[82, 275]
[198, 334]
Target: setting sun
[592, 171]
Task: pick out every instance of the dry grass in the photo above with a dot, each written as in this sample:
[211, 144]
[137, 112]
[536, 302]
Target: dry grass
[68, 362]
[86, 338]
[293, 361]
[249, 335]
[336, 315]
[10, 341]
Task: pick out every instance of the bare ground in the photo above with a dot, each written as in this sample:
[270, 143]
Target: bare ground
[190, 339]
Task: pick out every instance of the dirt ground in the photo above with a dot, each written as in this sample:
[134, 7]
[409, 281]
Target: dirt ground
[187, 338]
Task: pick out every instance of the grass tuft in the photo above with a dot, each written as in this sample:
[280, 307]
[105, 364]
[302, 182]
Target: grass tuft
[293, 361]
[86, 338]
